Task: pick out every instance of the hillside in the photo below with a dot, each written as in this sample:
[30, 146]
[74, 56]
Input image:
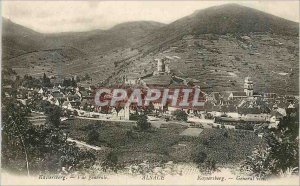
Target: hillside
[221, 62]
[218, 47]
[17, 39]
[228, 18]
[97, 42]
[25, 49]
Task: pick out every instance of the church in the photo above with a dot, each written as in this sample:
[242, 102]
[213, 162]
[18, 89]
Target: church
[247, 93]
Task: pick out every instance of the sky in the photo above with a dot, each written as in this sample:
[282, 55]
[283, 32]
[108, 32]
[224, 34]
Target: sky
[66, 16]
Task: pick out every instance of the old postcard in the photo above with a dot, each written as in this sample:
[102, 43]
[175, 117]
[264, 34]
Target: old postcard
[150, 92]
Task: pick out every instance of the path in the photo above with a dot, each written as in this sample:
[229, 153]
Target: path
[103, 119]
[83, 144]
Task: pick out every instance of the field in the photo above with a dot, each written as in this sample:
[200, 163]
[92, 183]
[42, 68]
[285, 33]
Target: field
[225, 146]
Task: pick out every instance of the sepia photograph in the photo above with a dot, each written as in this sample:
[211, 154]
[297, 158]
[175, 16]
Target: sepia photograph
[149, 92]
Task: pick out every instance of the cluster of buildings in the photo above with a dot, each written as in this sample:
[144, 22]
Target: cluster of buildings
[65, 97]
[237, 106]
[79, 100]
[228, 107]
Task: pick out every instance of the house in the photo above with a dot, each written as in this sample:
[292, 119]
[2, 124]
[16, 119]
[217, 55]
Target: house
[92, 88]
[230, 110]
[123, 114]
[74, 97]
[275, 118]
[75, 104]
[267, 96]
[69, 88]
[254, 111]
[8, 95]
[67, 105]
[51, 99]
[216, 98]
[58, 95]
[55, 89]
[253, 114]
[41, 91]
[30, 94]
[257, 95]
[85, 104]
[132, 79]
[237, 95]
[79, 88]
[84, 94]
[58, 102]
[291, 105]
[71, 105]
[22, 94]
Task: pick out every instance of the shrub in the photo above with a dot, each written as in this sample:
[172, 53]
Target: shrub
[53, 115]
[204, 163]
[180, 115]
[93, 137]
[111, 161]
[245, 126]
[142, 122]
[200, 157]
[209, 165]
[134, 116]
[225, 133]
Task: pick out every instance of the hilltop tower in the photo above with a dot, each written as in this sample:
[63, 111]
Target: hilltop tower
[248, 87]
[160, 65]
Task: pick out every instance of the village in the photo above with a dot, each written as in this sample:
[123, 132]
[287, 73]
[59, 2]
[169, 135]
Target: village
[244, 110]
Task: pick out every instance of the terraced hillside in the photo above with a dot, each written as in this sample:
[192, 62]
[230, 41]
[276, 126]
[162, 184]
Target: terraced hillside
[221, 62]
[216, 47]
[94, 52]
[219, 46]
[99, 42]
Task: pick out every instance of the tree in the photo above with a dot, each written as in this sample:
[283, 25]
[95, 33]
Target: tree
[93, 137]
[46, 81]
[15, 128]
[31, 82]
[283, 142]
[180, 115]
[77, 79]
[38, 149]
[210, 165]
[281, 153]
[142, 122]
[134, 116]
[200, 157]
[53, 115]
[149, 109]
[75, 113]
[111, 161]
[86, 77]
[259, 163]
[204, 163]
[73, 82]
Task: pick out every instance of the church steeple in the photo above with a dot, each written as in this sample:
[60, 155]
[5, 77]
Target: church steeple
[248, 87]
